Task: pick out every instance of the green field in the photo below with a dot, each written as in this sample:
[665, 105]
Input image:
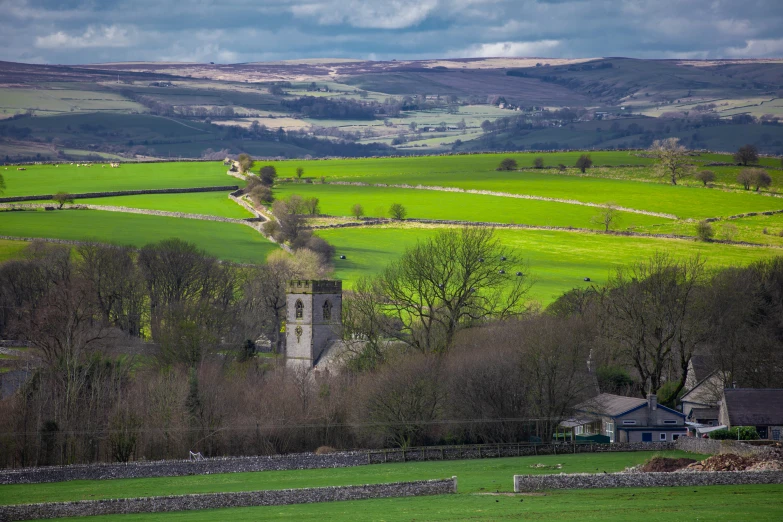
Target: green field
[209, 203]
[47, 179]
[338, 200]
[559, 260]
[233, 242]
[474, 476]
[484, 494]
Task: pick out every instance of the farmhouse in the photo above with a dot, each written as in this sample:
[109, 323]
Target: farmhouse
[761, 408]
[628, 419]
[705, 388]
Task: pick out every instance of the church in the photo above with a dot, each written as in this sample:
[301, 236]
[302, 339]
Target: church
[313, 323]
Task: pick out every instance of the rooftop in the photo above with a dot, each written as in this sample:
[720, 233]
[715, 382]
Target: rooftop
[754, 407]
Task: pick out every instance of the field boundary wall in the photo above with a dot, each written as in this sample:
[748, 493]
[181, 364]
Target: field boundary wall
[227, 500]
[527, 483]
[715, 447]
[175, 468]
[88, 195]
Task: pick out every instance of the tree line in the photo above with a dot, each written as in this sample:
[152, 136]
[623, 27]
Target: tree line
[149, 354]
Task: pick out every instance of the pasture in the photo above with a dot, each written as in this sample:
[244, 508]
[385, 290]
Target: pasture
[229, 241]
[558, 260]
[338, 200]
[475, 476]
[484, 493]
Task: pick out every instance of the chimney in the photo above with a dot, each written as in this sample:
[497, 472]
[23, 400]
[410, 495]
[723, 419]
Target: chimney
[652, 401]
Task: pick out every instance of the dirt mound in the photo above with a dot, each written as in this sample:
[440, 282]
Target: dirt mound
[665, 464]
[723, 462]
[766, 465]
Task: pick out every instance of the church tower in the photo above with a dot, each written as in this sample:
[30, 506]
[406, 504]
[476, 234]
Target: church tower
[313, 319]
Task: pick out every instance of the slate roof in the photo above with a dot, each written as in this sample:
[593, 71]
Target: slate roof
[754, 407]
[610, 404]
[704, 413]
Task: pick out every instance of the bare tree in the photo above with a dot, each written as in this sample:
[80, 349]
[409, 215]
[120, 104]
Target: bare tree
[761, 179]
[455, 279]
[245, 163]
[608, 216]
[508, 164]
[705, 176]
[672, 158]
[538, 163]
[650, 318]
[747, 154]
[745, 178]
[357, 211]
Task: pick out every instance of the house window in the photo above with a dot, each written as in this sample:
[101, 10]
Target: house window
[579, 430]
[629, 422]
[663, 436]
[299, 309]
[675, 436]
[670, 422]
[609, 429]
[327, 311]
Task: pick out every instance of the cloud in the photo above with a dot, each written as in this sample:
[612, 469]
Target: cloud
[510, 49]
[84, 31]
[93, 36]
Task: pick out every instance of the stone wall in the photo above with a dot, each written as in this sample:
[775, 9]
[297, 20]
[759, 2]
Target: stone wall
[481, 451]
[524, 483]
[227, 500]
[177, 468]
[87, 195]
[714, 447]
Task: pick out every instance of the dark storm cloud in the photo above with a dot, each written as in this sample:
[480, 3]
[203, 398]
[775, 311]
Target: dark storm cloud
[78, 31]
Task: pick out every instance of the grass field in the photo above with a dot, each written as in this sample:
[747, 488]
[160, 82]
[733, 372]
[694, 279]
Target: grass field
[559, 261]
[10, 248]
[233, 242]
[46, 179]
[475, 476]
[209, 203]
[479, 480]
[726, 503]
[338, 200]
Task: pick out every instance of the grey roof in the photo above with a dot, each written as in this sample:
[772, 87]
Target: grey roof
[704, 413]
[754, 407]
[610, 404]
[702, 367]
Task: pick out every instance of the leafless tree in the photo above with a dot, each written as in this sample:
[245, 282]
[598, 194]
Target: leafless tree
[672, 158]
[608, 216]
[747, 154]
[453, 280]
[705, 176]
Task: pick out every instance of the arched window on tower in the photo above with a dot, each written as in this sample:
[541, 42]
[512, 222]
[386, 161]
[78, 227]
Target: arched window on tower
[299, 309]
[327, 311]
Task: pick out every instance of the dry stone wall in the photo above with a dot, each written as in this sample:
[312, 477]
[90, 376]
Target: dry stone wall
[177, 468]
[715, 447]
[525, 483]
[88, 195]
[227, 500]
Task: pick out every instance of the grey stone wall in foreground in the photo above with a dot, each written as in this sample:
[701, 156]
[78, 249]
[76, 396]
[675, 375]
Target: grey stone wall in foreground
[523, 483]
[227, 500]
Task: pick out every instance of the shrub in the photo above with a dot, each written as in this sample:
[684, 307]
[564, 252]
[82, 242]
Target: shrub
[508, 164]
[261, 194]
[61, 198]
[538, 163]
[397, 211]
[728, 231]
[584, 162]
[745, 178]
[736, 433]
[268, 174]
[299, 172]
[704, 231]
[761, 179]
[562, 167]
[271, 229]
[705, 176]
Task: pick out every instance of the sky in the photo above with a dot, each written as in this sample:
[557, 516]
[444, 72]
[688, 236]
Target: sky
[237, 31]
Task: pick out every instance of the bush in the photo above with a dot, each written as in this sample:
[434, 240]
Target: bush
[538, 163]
[704, 231]
[584, 162]
[562, 167]
[736, 433]
[508, 164]
[271, 229]
[268, 175]
[261, 194]
[61, 198]
[705, 176]
[397, 211]
[761, 179]
[745, 178]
